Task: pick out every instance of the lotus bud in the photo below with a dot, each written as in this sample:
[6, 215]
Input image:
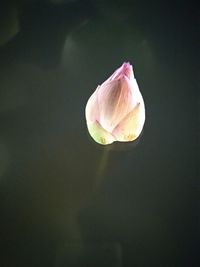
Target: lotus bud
[115, 111]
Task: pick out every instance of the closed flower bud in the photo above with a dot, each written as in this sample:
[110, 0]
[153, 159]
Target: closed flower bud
[115, 111]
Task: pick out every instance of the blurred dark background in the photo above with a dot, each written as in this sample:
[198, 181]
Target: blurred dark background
[64, 200]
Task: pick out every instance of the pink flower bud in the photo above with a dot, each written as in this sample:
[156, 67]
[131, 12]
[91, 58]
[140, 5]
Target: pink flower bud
[115, 111]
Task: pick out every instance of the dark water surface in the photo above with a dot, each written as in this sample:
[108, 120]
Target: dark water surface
[64, 200]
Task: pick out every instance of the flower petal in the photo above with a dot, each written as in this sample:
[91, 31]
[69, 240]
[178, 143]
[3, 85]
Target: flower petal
[128, 71]
[99, 134]
[131, 126]
[115, 101]
[92, 110]
[137, 96]
[125, 70]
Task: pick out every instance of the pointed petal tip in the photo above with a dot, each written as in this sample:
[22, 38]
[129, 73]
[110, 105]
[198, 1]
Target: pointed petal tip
[127, 70]
[127, 64]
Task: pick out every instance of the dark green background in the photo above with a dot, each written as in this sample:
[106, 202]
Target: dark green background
[55, 207]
